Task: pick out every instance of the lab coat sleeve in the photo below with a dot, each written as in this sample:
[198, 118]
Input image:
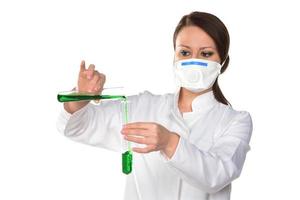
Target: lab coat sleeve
[96, 125]
[213, 169]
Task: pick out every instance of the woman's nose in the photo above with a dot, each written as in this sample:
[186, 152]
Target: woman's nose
[195, 56]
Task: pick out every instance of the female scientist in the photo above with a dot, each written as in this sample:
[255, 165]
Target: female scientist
[193, 143]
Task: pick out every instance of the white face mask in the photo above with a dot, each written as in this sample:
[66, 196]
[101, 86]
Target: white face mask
[196, 75]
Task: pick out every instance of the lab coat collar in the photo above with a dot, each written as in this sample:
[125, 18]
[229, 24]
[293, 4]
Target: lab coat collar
[201, 103]
[204, 102]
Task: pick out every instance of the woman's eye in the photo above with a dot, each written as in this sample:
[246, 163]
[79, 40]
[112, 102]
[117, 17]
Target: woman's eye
[184, 53]
[207, 54]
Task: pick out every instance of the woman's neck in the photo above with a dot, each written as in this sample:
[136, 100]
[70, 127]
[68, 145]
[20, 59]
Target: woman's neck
[186, 98]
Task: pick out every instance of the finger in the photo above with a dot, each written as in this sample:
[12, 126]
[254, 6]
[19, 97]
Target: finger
[97, 101]
[92, 84]
[90, 71]
[95, 82]
[95, 78]
[99, 85]
[139, 140]
[91, 67]
[101, 81]
[136, 132]
[82, 66]
[102, 77]
[140, 125]
[143, 150]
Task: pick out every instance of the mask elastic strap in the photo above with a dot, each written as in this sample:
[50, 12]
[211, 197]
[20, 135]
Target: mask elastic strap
[225, 60]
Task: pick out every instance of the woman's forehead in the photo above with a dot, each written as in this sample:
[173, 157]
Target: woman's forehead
[194, 37]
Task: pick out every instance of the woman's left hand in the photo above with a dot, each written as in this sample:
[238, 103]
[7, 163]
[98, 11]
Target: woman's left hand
[153, 135]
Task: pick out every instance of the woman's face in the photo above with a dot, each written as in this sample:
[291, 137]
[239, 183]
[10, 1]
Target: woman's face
[193, 42]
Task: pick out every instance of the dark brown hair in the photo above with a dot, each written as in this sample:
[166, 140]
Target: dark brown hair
[215, 28]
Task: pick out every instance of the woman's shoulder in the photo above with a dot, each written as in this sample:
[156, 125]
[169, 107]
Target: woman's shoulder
[229, 110]
[232, 117]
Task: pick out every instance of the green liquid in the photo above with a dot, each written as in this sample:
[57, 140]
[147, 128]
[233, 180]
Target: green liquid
[77, 96]
[127, 162]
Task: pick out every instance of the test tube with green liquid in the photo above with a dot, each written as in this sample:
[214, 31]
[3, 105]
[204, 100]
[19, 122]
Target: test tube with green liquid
[127, 155]
[79, 96]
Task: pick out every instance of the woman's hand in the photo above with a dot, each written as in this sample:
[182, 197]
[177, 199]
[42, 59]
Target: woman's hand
[90, 80]
[153, 135]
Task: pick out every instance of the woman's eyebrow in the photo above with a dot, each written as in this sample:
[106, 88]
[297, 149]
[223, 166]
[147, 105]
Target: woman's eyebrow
[208, 47]
[201, 48]
[182, 45]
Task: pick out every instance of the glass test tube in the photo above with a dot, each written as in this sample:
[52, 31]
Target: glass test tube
[79, 96]
[127, 155]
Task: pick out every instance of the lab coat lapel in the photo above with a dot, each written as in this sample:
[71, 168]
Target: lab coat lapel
[179, 127]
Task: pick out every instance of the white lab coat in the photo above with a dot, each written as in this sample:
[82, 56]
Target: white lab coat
[214, 140]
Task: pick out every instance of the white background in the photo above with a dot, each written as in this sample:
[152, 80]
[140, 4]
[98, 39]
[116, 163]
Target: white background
[43, 42]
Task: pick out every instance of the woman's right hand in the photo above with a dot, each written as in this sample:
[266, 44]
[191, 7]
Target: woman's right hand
[90, 80]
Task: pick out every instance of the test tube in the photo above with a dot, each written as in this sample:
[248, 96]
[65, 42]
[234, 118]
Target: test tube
[79, 96]
[127, 156]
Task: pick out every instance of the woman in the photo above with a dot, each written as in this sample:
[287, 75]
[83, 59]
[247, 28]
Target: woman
[194, 142]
